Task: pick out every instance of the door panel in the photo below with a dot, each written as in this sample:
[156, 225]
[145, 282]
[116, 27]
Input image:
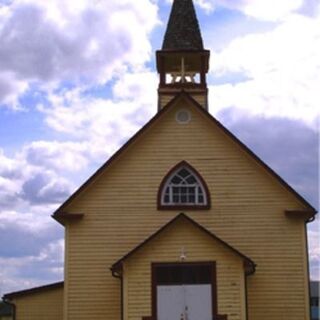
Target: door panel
[170, 302]
[199, 302]
[184, 291]
[187, 302]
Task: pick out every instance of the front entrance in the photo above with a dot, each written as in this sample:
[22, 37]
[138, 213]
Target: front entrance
[184, 291]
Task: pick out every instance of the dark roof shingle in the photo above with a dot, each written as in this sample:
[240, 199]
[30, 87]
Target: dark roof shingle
[183, 32]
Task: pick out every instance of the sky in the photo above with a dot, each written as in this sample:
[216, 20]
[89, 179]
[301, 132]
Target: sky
[77, 79]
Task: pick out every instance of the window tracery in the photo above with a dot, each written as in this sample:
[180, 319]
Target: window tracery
[183, 188]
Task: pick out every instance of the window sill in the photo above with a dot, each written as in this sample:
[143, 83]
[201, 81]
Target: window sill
[184, 207]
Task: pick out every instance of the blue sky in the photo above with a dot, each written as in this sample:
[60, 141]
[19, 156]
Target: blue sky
[77, 79]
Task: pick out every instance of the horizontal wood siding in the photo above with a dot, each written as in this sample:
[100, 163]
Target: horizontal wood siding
[247, 211]
[44, 305]
[166, 98]
[167, 247]
[201, 99]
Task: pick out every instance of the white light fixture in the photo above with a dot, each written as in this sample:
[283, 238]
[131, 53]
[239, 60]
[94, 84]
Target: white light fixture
[183, 255]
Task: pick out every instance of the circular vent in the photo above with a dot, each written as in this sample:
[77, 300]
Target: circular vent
[183, 116]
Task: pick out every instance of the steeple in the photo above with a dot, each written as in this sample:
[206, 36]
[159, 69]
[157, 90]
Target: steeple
[183, 32]
[182, 63]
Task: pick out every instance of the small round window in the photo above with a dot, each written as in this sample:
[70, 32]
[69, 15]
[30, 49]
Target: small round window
[183, 116]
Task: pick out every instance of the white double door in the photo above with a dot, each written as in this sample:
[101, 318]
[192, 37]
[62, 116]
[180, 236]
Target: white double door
[184, 302]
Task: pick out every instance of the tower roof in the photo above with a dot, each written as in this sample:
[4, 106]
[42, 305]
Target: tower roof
[183, 32]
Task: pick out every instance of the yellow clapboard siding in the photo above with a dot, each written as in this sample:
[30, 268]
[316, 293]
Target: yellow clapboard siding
[44, 305]
[164, 99]
[120, 210]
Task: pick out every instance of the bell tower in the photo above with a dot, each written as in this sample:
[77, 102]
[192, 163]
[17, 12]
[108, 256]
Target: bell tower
[183, 63]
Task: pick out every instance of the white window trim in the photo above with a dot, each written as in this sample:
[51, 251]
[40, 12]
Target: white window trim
[196, 185]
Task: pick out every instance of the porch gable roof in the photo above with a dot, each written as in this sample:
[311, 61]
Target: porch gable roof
[248, 263]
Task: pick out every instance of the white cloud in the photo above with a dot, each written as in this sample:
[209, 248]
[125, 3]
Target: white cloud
[54, 252]
[102, 125]
[268, 10]
[78, 41]
[18, 273]
[314, 242]
[36, 175]
[11, 88]
[11, 177]
[45, 187]
[8, 167]
[34, 219]
[139, 86]
[63, 156]
[271, 9]
[30, 190]
[39, 173]
[283, 71]
[314, 249]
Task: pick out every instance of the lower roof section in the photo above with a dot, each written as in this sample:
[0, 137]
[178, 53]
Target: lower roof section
[17, 294]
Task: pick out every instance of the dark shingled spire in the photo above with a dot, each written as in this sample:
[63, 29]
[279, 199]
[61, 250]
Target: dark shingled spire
[183, 32]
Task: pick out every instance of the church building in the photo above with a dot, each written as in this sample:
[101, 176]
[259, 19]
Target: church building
[184, 222]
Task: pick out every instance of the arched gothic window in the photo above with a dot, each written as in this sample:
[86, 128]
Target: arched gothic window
[183, 188]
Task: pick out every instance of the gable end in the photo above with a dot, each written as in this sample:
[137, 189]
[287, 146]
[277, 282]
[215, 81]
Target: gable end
[62, 209]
